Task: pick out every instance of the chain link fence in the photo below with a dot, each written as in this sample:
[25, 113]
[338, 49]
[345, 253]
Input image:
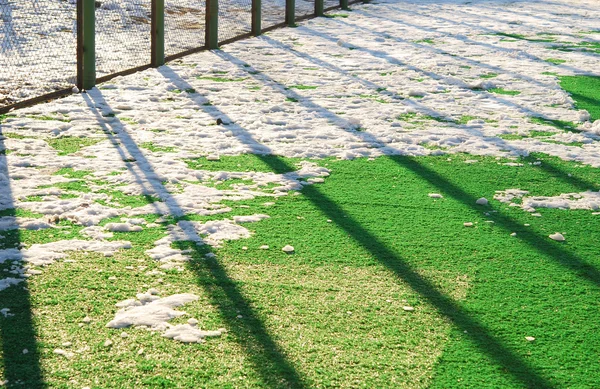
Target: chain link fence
[122, 35]
[273, 13]
[44, 49]
[184, 25]
[38, 48]
[235, 18]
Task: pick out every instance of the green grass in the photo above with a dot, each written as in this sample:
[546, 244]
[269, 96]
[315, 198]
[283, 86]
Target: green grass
[376, 98]
[13, 135]
[291, 99]
[302, 87]
[584, 46]
[188, 90]
[244, 163]
[408, 116]
[437, 119]
[72, 173]
[75, 186]
[511, 136]
[585, 90]
[331, 314]
[50, 118]
[427, 40]
[220, 79]
[523, 37]
[154, 148]
[69, 144]
[336, 15]
[489, 75]
[574, 144]
[501, 91]
[128, 120]
[555, 61]
[120, 199]
[464, 119]
[559, 124]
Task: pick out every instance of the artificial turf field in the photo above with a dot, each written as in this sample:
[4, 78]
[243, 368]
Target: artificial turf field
[369, 241]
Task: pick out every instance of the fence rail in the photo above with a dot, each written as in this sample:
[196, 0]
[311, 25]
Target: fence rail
[49, 46]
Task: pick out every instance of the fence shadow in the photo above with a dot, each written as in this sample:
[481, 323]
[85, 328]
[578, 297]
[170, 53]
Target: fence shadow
[251, 333]
[476, 331]
[550, 250]
[17, 326]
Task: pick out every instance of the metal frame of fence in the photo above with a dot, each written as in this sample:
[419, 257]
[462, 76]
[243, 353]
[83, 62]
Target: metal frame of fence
[87, 34]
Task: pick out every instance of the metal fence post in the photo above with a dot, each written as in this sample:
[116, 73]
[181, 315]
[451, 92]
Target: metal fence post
[86, 44]
[344, 5]
[319, 8]
[290, 13]
[256, 17]
[158, 33]
[212, 24]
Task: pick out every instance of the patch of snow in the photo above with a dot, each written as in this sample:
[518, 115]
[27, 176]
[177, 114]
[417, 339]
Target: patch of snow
[250, 219]
[7, 282]
[123, 227]
[152, 313]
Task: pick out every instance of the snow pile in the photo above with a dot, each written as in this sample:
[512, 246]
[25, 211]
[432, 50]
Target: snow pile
[48, 253]
[13, 223]
[7, 282]
[508, 195]
[149, 310]
[584, 200]
[191, 333]
[153, 312]
[122, 227]
[250, 218]
[588, 200]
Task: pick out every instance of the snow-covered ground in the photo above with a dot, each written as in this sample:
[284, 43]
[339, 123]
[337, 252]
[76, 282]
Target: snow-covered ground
[394, 77]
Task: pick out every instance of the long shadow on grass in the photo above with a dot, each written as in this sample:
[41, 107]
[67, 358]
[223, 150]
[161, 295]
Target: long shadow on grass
[551, 250]
[548, 166]
[477, 332]
[17, 332]
[251, 333]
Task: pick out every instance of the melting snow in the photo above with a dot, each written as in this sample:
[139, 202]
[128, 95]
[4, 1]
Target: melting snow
[150, 311]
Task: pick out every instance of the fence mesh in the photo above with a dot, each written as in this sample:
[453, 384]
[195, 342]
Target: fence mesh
[38, 48]
[122, 35]
[184, 25]
[331, 3]
[273, 12]
[305, 8]
[235, 18]
[38, 38]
